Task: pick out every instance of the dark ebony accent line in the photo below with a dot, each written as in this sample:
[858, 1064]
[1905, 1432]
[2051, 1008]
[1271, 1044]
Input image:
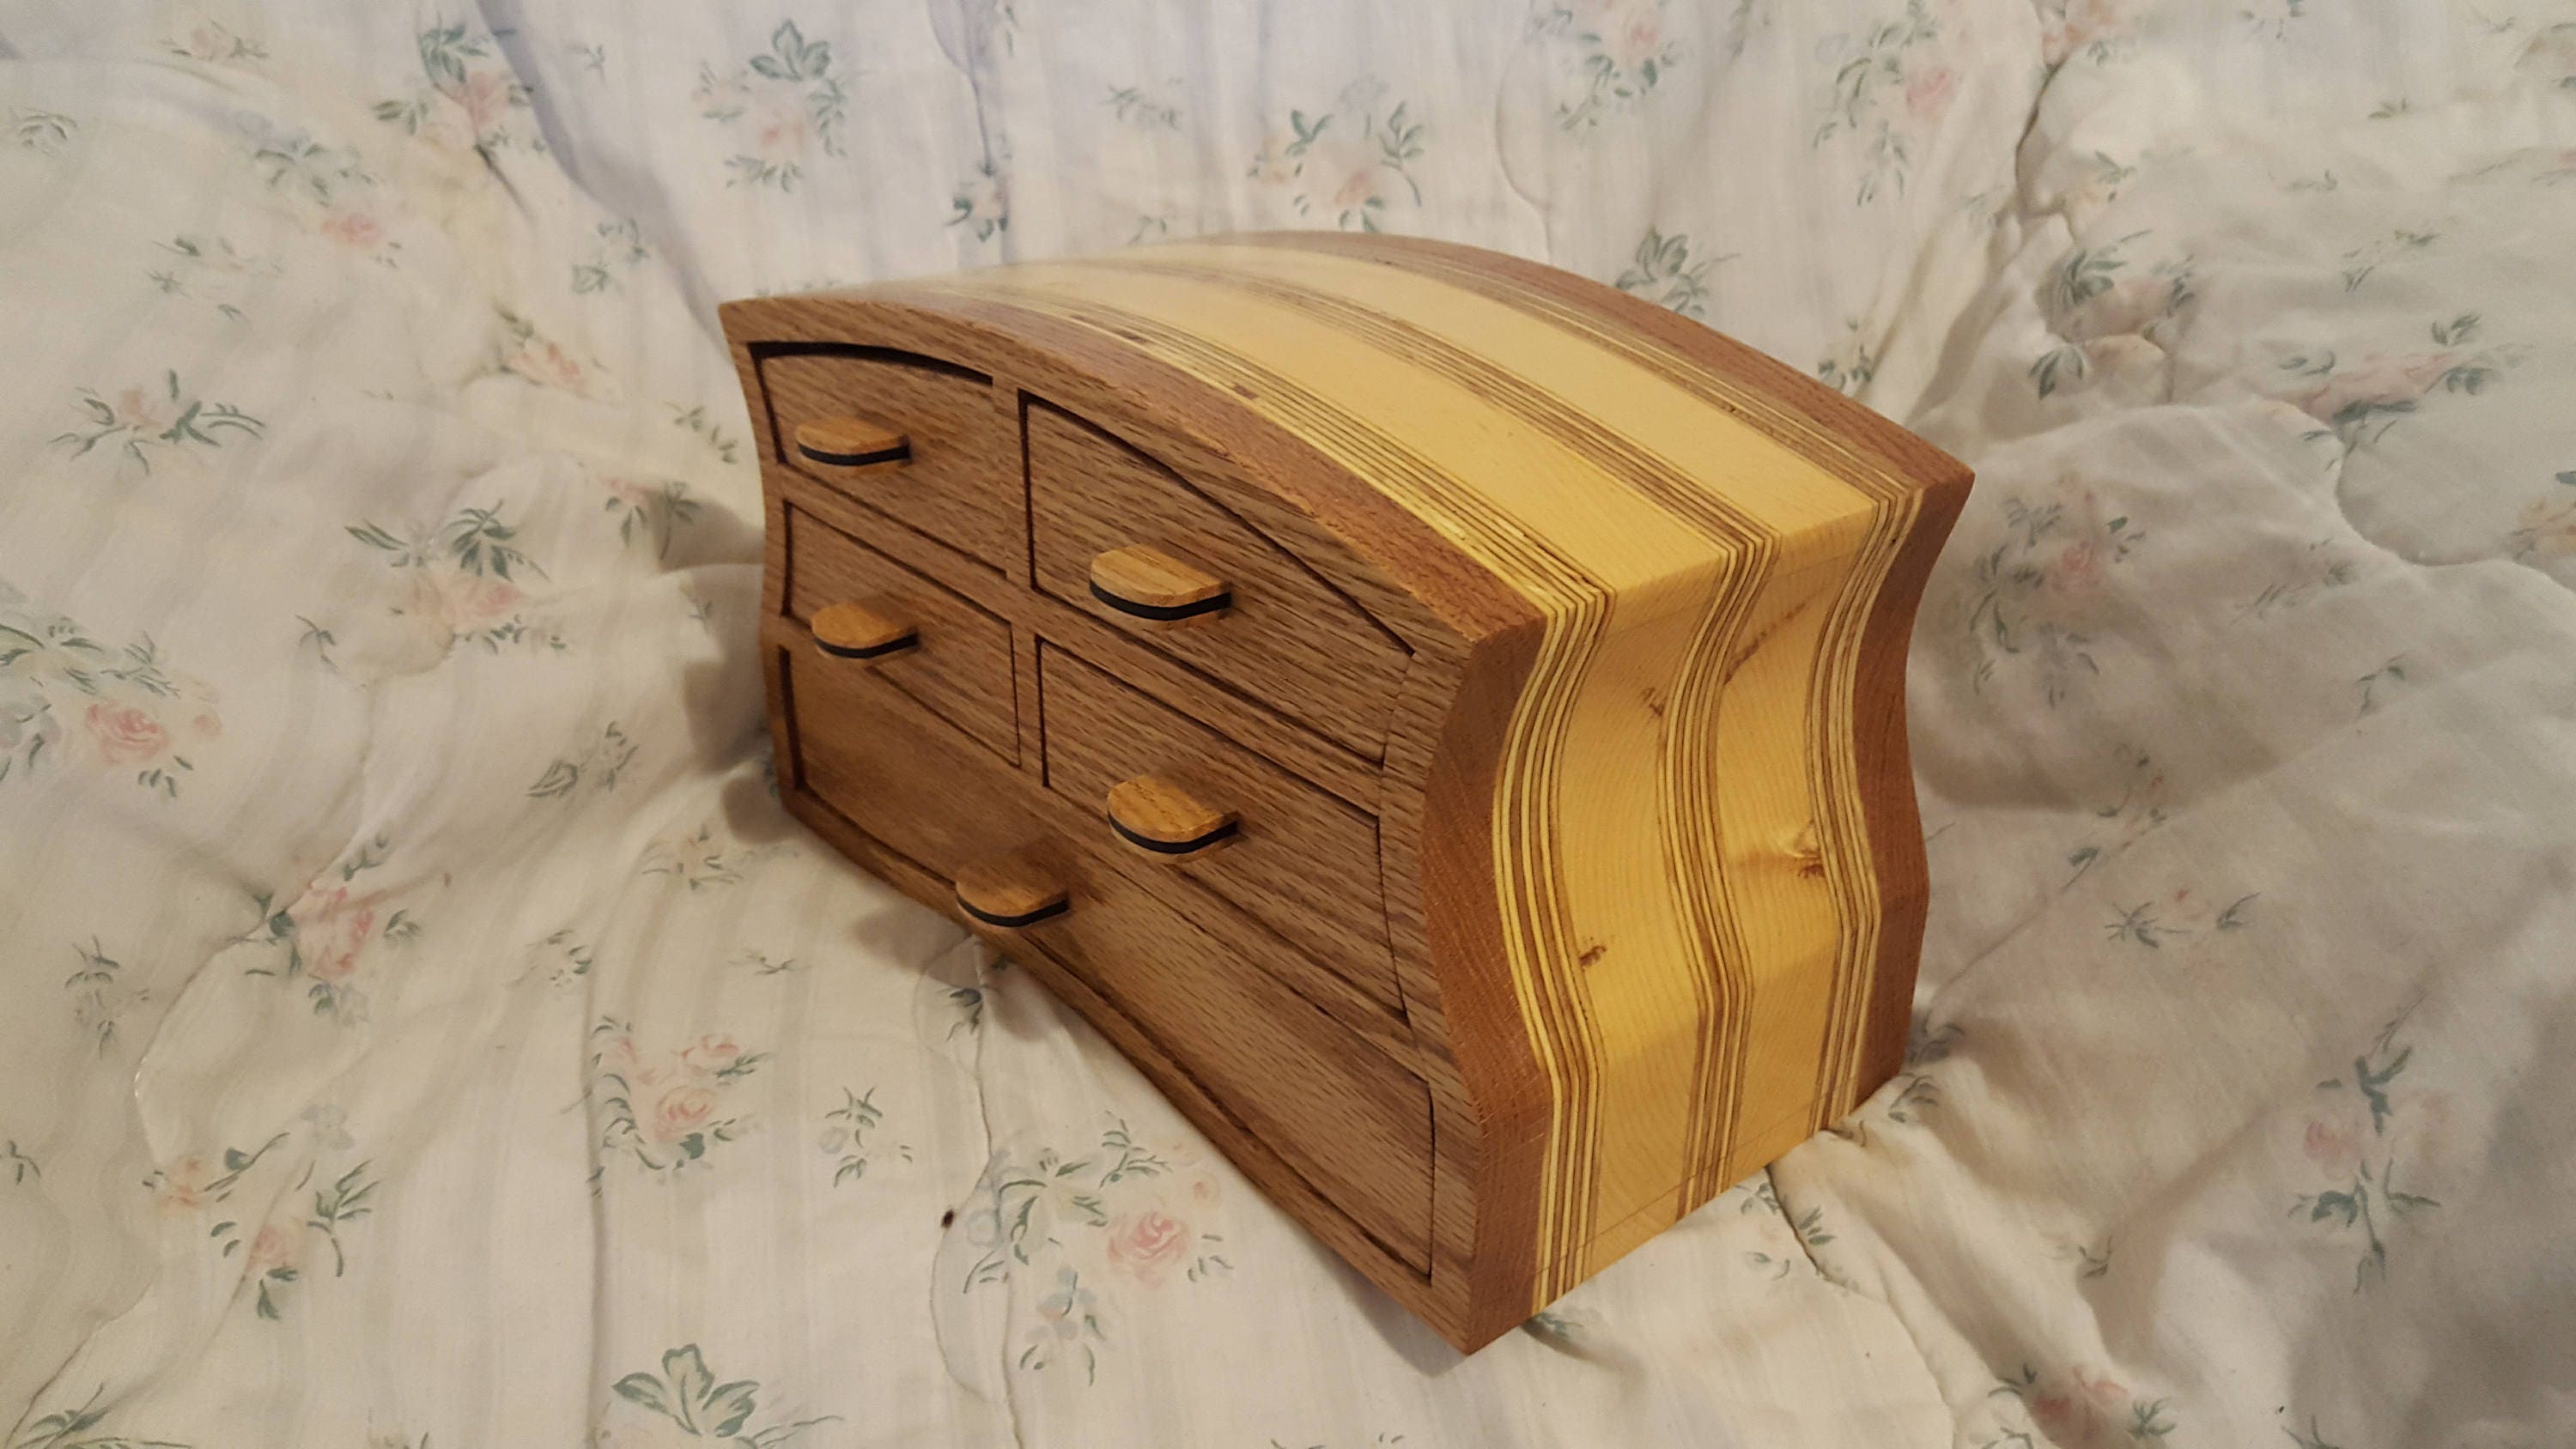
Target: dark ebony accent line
[855, 460]
[1048, 911]
[1172, 847]
[869, 651]
[1164, 612]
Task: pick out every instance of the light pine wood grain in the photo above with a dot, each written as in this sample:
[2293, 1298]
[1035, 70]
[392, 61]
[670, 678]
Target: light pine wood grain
[1604, 618]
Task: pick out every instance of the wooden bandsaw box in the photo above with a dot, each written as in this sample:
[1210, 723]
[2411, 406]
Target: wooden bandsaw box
[1442, 718]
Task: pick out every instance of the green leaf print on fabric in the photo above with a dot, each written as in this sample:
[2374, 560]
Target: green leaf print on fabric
[1124, 1214]
[982, 204]
[2363, 261]
[332, 934]
[2546, 527]
[2094, 30]
[1346, 163]
[1663, 272]
[726, 447]
[649, 510]
[210, 43]
[44, 132]
[2034, 591]
[593, 767]
[1068, 1323]
[704, 858]
[686, 1393]
[467, 98]
[777, 107]
[461, 581]
[196, 1181]
[156, 423]
[1146, 110]
[524, 351]
[1851, 364]
[71, 1429]
[2079, 1408]
[1917, 1091]
[101, 994]
[617, 249]
[273, 1257]
[2358, 402]
[208, 269]
[2368, 1132]
[2091, 1260]
[2138, 809]
[664, 1111]
[1888, 95]
[1612, 54]
[327, 189]
[845, 1136]
[61, 691]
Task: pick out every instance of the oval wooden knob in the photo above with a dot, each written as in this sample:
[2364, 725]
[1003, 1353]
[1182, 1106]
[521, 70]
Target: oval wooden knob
[851, 442]
[1008, 894]
[1144, 582]
[865, 631]
[1167, 822]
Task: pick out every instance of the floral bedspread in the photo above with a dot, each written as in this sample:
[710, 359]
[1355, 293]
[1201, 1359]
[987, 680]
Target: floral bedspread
[424, 1028]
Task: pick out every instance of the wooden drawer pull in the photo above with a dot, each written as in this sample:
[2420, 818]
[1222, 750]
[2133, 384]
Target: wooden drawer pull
[1008, 894]
[851, 442]
[1164, 821]
[1146, 583]
[865, 631]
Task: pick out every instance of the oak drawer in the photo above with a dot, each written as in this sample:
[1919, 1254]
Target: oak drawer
[956, 474]
[900, 773]
[1342, 1115]
[1297, 860]
[959, 663]
[1337, 1111]
[1284, 636]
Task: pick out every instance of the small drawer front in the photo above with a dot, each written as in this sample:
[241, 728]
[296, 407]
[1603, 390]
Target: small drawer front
[902, 774]
[1213, 592]
[957, 662]
[1293, 858]
[1337, 1111]
[916, 439]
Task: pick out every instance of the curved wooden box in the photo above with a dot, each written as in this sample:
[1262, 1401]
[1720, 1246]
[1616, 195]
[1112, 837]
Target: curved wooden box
[1557, 690]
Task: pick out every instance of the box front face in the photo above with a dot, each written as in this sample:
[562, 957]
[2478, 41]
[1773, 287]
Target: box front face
[972, 744]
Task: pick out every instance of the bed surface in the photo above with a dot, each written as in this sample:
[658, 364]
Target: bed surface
[425, 1028]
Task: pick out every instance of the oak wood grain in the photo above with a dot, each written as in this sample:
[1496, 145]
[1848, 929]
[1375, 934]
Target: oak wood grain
[956, 476]
[849, 442]
[1162, 818]
[1286, 635]
[1299, 861]
[959, 663]
[1008, 892]
[1157, 588]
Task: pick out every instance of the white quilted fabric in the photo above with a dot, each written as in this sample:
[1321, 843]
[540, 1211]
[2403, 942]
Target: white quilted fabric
[424, 1028]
